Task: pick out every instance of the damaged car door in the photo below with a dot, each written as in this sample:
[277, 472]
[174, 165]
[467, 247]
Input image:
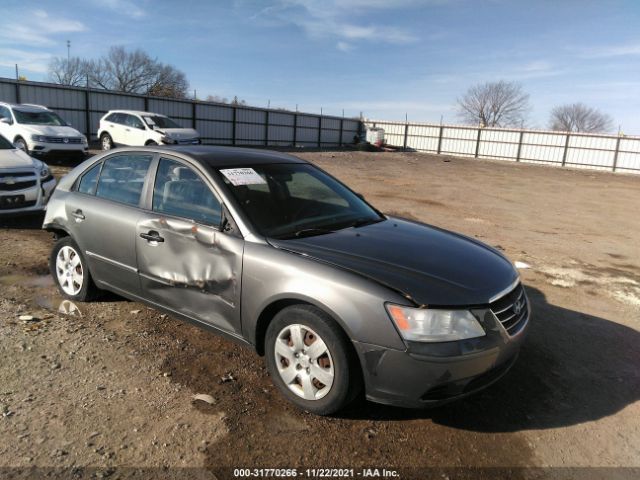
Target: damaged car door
[185, 262]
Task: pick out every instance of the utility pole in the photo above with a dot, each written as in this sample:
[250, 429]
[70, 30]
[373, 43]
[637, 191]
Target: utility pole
[68, 51]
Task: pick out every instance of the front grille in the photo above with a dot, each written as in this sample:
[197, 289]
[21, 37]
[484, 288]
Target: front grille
[73, 140]
[511, 309]
[21, 173]
[13, 206]
[17, 185]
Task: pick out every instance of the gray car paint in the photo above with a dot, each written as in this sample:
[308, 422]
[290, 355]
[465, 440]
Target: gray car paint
[232, 283]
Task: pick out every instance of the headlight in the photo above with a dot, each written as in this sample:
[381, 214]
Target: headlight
[84, 140]
[38, 138]
[169, 140]
[433, 325]
[44, 173]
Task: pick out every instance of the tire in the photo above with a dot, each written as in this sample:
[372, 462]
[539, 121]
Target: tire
[106, 142]
[20, 144]
[294, 331]
[70, 272]
[151, 143]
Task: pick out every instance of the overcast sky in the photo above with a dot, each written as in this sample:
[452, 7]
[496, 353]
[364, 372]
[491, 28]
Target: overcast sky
[382, 57]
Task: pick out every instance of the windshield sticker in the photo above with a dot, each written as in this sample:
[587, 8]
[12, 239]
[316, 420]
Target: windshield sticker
[243, 176]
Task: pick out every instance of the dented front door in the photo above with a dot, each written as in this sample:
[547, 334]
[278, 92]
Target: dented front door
[191, 268]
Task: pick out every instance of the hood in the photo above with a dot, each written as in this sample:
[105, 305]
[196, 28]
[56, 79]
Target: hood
[430, 265]
[51, 130]
[179, 133]
[16, 159]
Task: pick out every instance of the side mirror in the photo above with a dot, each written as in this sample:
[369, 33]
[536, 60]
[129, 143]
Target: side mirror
[8, 121]
[360, 196]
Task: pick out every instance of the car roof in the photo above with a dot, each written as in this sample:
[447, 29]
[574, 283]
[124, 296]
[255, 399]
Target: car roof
[27, 107]
[216, 156]
[136, 112]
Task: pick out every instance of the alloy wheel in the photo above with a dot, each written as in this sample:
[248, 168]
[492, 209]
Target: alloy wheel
[69, 270]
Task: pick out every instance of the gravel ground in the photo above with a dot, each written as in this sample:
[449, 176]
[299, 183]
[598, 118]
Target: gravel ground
[107, 387]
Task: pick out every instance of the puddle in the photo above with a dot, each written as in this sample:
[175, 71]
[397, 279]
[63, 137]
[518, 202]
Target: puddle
[54, 303]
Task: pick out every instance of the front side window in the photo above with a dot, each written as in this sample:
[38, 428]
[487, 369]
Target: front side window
[89, 180]
[291, 200]
[134, 122]
[122, 178]
[114, 117]
[181, 192]
[38, 117]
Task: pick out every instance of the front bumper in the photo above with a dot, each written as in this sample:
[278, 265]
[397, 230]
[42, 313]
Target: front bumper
[46, 148]
[427, 375]
[35, 198]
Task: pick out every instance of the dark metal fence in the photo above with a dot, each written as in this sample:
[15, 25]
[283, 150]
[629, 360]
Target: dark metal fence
[217, 123]
[617, 153]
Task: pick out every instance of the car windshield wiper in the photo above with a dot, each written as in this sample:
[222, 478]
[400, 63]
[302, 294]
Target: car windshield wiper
[306, 232]
[361, 222]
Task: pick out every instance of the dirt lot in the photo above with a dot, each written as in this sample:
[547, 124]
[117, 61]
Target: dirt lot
[109, 388]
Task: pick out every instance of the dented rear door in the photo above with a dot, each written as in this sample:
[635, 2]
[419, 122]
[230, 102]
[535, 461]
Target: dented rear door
[185, 262]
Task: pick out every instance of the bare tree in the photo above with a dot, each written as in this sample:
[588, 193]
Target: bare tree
[577, 117]
[169, 82]
[494, 104]
[72, 71]
[136, 72]
[217, 99]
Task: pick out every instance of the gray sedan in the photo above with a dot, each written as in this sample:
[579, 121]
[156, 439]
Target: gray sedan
[273, 252]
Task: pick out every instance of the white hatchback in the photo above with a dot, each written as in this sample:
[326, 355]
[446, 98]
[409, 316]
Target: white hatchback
[38, 131]
[132, 128]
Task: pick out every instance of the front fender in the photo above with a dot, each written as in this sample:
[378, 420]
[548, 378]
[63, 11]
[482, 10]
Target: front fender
[356, 303]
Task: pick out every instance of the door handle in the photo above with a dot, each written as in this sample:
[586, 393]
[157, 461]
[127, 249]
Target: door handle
[128, 129]
[152, 236]
[79, 215]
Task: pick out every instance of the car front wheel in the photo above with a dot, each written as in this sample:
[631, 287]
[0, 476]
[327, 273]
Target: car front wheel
[69, 270]
[309, 360]
[20, 144]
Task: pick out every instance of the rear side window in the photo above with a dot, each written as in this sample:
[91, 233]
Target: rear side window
[114, 117]
[180, 192]
[122, 178]
[89, 180]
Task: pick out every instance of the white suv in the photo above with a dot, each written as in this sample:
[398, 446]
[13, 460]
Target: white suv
[131, 128]
[25, 183]
[39, 131]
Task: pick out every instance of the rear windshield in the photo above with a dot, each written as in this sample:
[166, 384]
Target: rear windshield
[38, 118]
[5, 144]
[160, 122]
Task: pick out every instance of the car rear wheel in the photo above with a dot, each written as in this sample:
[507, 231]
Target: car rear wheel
[309, 360]
[20, 144]
[151, 143]
[106, 142]
[70, 273]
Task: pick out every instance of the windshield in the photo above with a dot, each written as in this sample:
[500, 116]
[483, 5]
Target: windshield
[289, 200]
[5, 144]
[160, 122]
[42, 117]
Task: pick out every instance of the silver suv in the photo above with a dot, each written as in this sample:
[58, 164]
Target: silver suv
[273, 252]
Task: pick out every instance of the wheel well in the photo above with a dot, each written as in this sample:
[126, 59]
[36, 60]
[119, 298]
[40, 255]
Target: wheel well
[267, 315]
[18, 137]
[151, 141]
[58, 233]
